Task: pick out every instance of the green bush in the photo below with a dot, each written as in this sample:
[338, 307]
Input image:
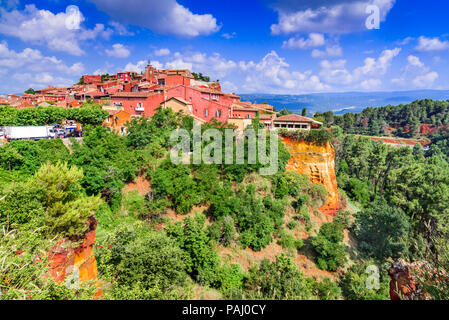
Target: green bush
[292, 225]
[279, 280]
[328, 290]
[354, 283]
[329, 246]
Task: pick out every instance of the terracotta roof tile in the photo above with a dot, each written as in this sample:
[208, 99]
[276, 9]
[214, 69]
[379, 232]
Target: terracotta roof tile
[294, 118]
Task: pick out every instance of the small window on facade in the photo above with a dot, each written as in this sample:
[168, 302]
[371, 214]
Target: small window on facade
[206, 113]
[218, 114]
[248, 116]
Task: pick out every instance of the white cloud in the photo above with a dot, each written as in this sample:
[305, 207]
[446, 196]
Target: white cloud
[229, 35]
[405, 41]
[118, 51]
[215, 66]
[366, 77]
[417, 74]
[341, 16]
[45, 27]
[426, 80]
[29, 68]
[228, 86]
[335, 72]
[162, 52]
[377, 67]
[120, 29]
[431, 44]
[314, 40]
[272, 75]
[165, 17]
[371, 84]
[415, 61]
[330, 51]
[138, 67]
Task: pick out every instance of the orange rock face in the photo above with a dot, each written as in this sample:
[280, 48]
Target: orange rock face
[403, 284]
[318, 162]
[79, 261]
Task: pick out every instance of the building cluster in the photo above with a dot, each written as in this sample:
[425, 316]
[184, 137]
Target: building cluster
[127, 95]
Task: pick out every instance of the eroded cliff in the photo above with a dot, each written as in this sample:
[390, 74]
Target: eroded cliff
[318, 162]
[78, 261]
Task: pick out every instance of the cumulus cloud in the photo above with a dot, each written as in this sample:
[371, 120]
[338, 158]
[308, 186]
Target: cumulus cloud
[45, 27]
[164, 17]
[366, 77]
[30, 68]
[162, 52]
[120, 29]
[417, 74]
[314, 40]
[215, 65]
[431, 44]
[272, 75]
[118, 51]
[137, 67]
[330, 51]
[379, 66]
[334, 16]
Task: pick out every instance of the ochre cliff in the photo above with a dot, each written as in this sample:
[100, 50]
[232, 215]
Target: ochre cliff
[66, 259]
[318, 162]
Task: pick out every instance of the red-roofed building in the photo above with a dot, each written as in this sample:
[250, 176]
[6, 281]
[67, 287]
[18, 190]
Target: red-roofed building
[295, 122]
[90, 79]
[138, 103]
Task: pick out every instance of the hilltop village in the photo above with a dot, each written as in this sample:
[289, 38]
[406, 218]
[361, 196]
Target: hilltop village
[128, 95]
[111, 212]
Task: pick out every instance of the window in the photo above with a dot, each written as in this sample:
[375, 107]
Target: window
[218, 114]
[206, 113]
[248, 116]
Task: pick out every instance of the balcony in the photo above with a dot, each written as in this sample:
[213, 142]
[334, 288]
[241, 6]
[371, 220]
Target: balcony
[140, 109]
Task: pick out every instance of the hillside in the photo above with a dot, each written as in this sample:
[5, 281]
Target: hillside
[338, 207]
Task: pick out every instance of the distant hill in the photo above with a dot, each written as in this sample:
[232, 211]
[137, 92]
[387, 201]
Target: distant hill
[341, 103]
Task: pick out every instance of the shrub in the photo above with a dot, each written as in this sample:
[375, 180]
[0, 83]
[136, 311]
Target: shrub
[329, 246]
[354, 283]
[279, 280]
[299, 244]
[328, 290]
[292, 225]
[286, 240]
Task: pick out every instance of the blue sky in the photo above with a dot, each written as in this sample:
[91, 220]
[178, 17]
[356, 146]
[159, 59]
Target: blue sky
[264, 46]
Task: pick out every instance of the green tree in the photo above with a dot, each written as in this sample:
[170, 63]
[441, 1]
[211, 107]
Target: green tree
[381, 231]
[329, 246]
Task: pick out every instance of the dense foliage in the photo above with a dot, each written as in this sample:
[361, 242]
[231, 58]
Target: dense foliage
[87, 114]
[404, 120]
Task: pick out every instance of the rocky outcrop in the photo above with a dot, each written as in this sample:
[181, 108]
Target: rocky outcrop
[409, 280]
[318, 162]
[78, 261]
[403, 284]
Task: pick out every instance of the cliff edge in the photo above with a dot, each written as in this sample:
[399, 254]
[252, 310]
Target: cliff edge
[318, 162]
